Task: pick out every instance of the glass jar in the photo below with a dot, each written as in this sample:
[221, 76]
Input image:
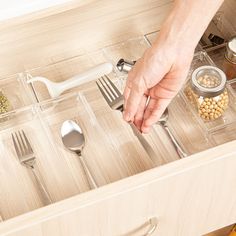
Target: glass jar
[207, 92]
[229, 64]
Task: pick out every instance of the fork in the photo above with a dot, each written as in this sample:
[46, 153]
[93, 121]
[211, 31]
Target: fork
[27, 158]
[115, 100]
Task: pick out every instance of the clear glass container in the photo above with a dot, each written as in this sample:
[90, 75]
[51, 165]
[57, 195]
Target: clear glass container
[229, 63]
[207, 92]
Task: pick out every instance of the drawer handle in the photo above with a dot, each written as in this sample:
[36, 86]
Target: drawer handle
[153, 226]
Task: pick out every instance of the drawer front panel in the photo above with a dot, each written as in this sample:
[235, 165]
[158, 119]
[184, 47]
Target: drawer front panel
[194, 200]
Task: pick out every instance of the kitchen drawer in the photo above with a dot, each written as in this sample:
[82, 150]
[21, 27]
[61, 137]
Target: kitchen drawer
[191, 196]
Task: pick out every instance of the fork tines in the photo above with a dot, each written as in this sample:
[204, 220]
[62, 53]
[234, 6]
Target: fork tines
[108, 89]
[21, 144]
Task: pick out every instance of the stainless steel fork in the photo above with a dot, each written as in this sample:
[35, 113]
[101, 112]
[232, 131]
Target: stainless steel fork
[115, 100]
[27, 158]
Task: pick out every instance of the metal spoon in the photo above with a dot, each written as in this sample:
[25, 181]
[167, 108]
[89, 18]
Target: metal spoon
[163, 123]
[73, 138]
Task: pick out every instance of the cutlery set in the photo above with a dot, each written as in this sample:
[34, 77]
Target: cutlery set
[74, 140]
[27, 158]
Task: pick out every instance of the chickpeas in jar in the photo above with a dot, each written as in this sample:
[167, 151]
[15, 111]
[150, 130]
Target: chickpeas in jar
[207, 92]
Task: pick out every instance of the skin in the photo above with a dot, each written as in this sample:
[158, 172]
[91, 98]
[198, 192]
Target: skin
[158, 76]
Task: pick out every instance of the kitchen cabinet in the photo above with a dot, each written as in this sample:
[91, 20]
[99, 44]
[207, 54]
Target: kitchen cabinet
[181, 197]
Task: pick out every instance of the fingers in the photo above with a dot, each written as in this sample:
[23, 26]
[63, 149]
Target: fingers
[132, 104]
[134, 91]
[155, 108]
[126, 93]
[138, 119]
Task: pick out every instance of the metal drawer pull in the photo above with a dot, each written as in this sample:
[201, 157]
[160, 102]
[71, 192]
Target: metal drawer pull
[153, 226]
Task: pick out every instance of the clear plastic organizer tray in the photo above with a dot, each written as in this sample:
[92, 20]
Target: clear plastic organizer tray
[19, 190]
[183, 124]
[60, 169]
[232, 86]
[61, 71]
[201, 59]
[111, 150]
[225, 134]
[151, 37]
[15, 90]
[132, 50]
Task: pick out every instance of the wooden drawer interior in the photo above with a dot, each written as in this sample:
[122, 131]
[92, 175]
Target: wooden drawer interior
[121, 157]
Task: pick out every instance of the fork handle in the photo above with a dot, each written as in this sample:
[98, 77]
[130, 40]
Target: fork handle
[45, 196]
[144, 142]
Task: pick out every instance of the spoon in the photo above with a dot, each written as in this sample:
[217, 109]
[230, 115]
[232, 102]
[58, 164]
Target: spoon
[73, 139]
[163, 123]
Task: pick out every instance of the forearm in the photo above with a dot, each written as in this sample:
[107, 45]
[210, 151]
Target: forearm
[187, 22]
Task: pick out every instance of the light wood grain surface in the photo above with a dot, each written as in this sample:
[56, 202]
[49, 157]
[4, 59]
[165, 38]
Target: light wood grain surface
[163, 192]
[41, 41]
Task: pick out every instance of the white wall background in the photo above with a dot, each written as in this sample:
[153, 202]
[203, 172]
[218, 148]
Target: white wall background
[13, 8]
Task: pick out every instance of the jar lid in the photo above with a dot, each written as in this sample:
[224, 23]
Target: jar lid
[230, 53]
[208, 81]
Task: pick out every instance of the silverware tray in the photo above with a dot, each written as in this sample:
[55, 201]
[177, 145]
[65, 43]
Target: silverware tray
[112, 151]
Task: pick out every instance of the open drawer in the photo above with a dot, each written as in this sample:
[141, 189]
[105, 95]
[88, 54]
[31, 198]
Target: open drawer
[137, 195]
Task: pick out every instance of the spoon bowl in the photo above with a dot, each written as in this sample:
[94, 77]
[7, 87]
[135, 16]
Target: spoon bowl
[72, 136]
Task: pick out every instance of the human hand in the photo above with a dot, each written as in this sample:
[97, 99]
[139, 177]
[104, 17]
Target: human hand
[154, 80]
